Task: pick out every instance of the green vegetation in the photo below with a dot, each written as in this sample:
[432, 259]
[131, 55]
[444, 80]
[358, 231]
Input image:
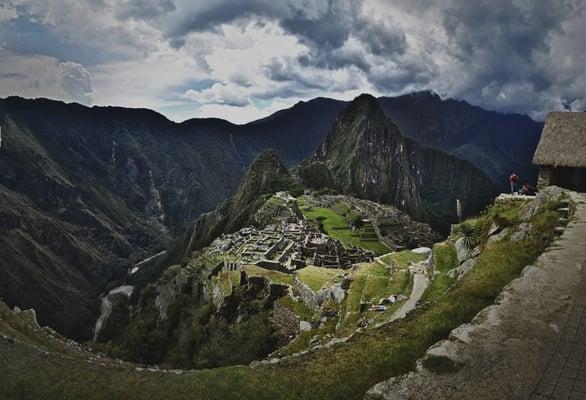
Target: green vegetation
[299, 308]
[335, 225]
[273, 276]
[229, 279]
[445, 260]
[371, 282]
[346, 370]
[316, 175]
[401, 259]
[441, 364]
[470, 234]
[316, 277]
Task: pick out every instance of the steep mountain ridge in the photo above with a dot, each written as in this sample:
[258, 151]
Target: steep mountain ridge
[496, 143]
[369, 158]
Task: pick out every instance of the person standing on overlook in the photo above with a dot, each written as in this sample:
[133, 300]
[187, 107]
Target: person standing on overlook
[513, 179]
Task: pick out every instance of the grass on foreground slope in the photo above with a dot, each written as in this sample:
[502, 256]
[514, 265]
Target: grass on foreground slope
[336, 226]
[344, 371]
[297, 306]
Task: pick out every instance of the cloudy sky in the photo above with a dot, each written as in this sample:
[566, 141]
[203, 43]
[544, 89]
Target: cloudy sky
[242, 60]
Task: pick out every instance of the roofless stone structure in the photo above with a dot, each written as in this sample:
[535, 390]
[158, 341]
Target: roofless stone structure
[561, 152]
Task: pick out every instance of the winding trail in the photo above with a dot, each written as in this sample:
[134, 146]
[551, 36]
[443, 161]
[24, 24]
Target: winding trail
[420, 283]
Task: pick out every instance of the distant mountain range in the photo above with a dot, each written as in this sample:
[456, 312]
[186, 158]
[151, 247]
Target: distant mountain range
[85, 193]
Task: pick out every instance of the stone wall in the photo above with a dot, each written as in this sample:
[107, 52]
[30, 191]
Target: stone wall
[544, 178]
[273, 266]
[285, 319]
[308, 296]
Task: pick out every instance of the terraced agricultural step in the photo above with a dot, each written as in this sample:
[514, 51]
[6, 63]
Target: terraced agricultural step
[564, 212]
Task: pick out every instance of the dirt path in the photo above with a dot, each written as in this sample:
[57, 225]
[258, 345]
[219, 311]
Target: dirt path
[420, 283]
[529, 345]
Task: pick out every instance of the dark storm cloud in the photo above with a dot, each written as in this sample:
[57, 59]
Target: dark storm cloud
[323, 25]
[495, 53]
[507, 44]
[280, 72]
[144, 9]
[206, 16]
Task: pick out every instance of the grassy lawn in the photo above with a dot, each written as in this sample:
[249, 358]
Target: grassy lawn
[274, 276]
[300, 343]
[345, 371]
[226, 283]
[317, 278]
[298, 307]
[371, 283]
[229, 279]
[337, 227]
[402, 258]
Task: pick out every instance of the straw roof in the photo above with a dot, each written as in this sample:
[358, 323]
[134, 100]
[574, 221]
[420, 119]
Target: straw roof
[563, 140]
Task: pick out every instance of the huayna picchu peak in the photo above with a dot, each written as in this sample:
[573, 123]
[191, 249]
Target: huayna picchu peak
[369, 158]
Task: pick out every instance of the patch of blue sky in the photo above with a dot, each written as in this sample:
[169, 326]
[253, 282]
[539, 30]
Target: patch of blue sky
[24, 36]
[261, 103]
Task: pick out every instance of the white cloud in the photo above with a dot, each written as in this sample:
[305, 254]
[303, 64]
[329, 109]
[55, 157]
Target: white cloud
[518, 56]
[7, 12]
[41, 76]
[150, 82]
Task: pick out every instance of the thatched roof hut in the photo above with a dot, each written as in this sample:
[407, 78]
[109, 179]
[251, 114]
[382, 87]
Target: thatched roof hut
[561, 152]
[563, 140]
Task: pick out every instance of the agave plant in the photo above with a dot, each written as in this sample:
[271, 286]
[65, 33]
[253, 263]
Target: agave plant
[470, 234]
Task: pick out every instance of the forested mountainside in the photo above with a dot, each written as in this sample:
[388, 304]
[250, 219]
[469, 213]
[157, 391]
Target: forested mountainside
[88, 192]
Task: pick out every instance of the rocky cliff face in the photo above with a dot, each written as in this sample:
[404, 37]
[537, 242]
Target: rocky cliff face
[369, 158]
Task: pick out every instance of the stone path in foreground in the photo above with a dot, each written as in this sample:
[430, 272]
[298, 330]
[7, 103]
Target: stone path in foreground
[565, 375]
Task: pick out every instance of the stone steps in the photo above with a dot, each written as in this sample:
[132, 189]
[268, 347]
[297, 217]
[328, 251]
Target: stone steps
[564, 212]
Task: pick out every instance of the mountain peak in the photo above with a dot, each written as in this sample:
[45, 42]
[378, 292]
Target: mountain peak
[364, 100]
[266, 175]
[362, 107]
[368, 157]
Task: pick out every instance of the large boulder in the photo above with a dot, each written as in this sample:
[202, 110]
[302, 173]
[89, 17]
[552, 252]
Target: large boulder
[545, 195]
[463, 252]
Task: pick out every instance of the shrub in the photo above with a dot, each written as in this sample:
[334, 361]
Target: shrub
[470, 234]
